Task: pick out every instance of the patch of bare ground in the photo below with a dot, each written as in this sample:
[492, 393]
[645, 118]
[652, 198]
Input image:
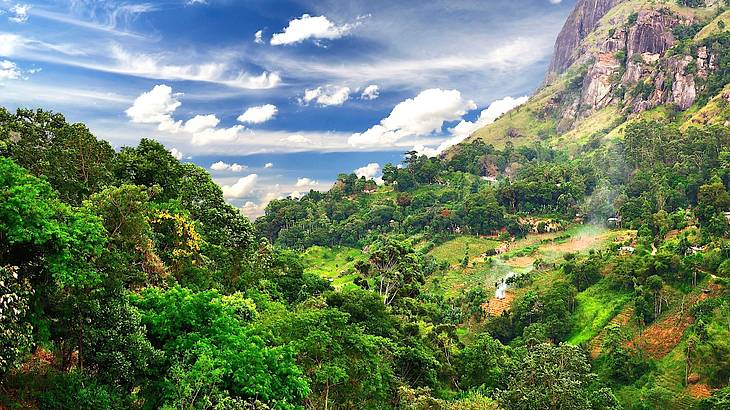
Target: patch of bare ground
[699, 390]
[495, 306]
[663, 335]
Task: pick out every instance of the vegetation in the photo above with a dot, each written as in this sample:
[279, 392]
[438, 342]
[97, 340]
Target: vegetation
[522, 275]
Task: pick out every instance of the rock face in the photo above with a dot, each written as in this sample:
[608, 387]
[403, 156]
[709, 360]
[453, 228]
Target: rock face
[626, 63]
[581, 22]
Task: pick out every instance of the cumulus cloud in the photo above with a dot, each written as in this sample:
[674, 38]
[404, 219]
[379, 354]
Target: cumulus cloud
[465, 128]
[269, 165]
[201, 123]
[258, 114]
[328, 95]
[370, 92]
[9, 70]
[241, 188]
[217, 135]
[296, 194]
[309, 27]
[297, 139]
[250, 209]
[223, 166]
[156, 107]
[418, 116]
[19, 13]
[177, 154]
[258, 37]
[306, 182]
[369, 171]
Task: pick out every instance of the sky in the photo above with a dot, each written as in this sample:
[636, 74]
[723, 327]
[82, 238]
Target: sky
[275, 98]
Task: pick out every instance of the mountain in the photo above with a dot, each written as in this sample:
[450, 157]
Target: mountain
[619, 60]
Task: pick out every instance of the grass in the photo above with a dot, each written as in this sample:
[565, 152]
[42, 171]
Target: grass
[453, 251]
[596, 306]
[713, 28]
[336, 264]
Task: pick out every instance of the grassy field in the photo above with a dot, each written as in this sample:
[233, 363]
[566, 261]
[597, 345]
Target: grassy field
[453, 251]
[485, 272]
[596, 306]
[336, 264]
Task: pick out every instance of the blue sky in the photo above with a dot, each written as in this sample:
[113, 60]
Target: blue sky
[280, 95]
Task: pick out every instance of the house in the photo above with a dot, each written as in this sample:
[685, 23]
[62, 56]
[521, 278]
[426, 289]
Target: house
[625, 250]
[614, 222]
[502, 249]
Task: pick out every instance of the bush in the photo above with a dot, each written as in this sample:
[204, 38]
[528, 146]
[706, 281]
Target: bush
[76, 390]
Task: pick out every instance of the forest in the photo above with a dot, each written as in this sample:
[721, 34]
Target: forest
[572, 254]
[129, 282]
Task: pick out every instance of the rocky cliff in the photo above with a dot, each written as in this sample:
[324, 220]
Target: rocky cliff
[581, 22]
[616, 59]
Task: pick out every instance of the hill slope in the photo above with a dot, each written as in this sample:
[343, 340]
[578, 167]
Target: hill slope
[617, 60]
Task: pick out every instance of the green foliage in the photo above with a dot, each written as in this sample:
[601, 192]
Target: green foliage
[485, 364]
[209, 347]
[555, 377]
[75, 390]
[15, 329]
[74, 162]
[35, 223]
[344, 365]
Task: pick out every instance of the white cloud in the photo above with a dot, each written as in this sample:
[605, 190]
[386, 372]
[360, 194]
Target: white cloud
[258, 114]
[217, 135]
[9, 70]
[306, 27]
[156, 107]
[251, 210]
[222, 166]
[555, 1]
[328, 95]
[20, 13]
[241, 188]
[201, 123]
[269, 165]
[418, 116]
[306, 182]
[369, 171]
[297, 139]
[258, 37]
[465, 128]
[296, 195]
[155, 66]
[370, 92]
[177, 154]
[219, 166]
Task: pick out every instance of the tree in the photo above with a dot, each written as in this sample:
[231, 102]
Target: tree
[16, 335]
[347, 368]
[485, 363]
[150, 164]
[555, 377]
[396, 268]
[207, 338]
[75, 163]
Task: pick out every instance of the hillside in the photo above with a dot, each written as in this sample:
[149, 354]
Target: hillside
[617, 61]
